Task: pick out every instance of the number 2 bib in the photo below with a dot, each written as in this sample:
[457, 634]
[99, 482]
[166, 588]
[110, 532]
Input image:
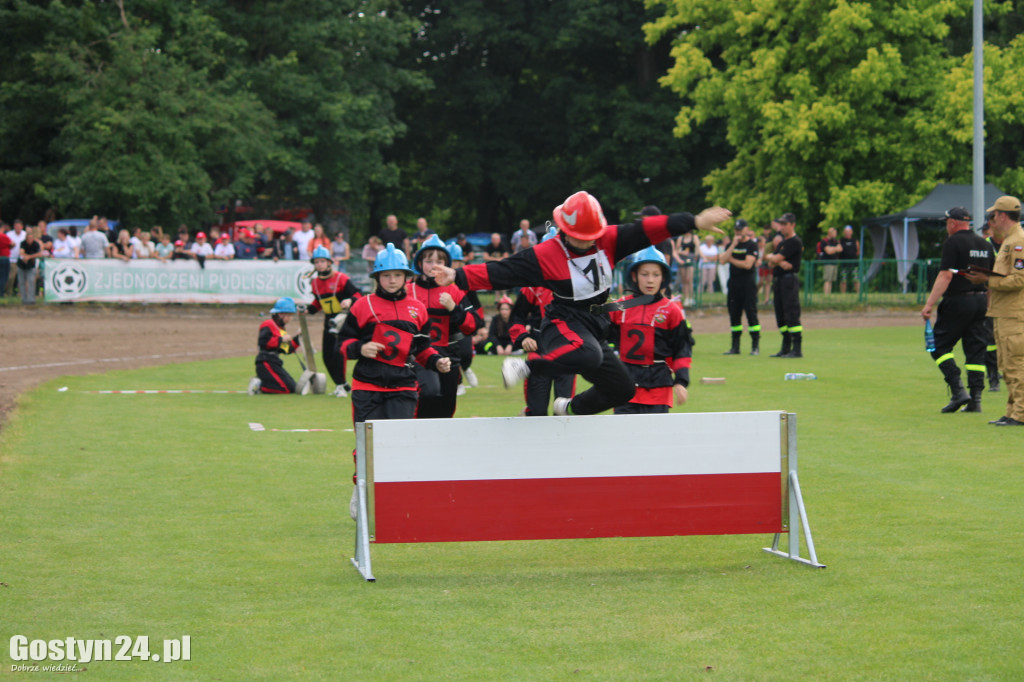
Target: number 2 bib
[637, 344]
[590, 275]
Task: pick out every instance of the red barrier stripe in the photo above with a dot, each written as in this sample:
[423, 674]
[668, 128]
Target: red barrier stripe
[535, 509]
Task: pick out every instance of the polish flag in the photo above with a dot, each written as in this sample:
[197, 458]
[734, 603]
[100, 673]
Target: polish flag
[450, 480]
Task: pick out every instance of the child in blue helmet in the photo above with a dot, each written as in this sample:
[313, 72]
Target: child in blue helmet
[385, 333]
[274, 341]
[471, 304]
[653, 338]
[333, 293]
[449, 323]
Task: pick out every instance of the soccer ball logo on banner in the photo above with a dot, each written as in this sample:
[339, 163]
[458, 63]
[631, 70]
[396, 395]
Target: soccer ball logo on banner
[68, 281]
[303, 283]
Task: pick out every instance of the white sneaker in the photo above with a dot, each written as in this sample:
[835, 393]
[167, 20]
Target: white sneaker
[461, 390]
[470, 378]
[560, 408]
[254, 386]
[513, 371]
[353, 504]
[340, 392]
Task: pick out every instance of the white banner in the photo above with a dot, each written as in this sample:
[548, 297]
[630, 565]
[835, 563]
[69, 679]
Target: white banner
[181, 281]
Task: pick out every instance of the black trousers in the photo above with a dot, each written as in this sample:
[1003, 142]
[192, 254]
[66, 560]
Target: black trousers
[537, 390]
[442, 406]
[273, 377]
[787, 303]
[370, 405]
[962, 319]
[742, 298]
[572, 348]
[334, 362]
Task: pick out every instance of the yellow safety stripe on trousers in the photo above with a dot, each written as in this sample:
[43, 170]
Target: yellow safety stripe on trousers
[755, 328]
[795, 330]
[990, 348]
[942, 359]
[783, 329]
[975, 368]
[738, 328]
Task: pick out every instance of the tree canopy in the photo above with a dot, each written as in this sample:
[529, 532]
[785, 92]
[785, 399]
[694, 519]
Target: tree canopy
[843, 109]
[479, 114]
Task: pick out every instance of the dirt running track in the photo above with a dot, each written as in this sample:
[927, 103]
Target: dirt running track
[48, 341]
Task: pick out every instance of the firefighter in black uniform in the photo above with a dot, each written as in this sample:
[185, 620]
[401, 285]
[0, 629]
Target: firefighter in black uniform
[961, 314]
[786, 262]
[742, 298]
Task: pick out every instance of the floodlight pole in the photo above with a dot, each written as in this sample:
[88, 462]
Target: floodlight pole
[978, 210]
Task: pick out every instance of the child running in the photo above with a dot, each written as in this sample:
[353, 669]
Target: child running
[385, 332]
[333, 293]
[653, 338]
[577, 268]
[449, 322]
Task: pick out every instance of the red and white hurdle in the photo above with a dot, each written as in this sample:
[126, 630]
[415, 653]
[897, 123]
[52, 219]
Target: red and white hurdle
[579, 477]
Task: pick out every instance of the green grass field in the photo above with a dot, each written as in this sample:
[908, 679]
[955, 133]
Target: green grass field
[166, 515]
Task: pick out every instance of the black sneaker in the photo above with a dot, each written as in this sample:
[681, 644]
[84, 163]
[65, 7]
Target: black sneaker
[732, 351]
[1010, 421]
[999, 422]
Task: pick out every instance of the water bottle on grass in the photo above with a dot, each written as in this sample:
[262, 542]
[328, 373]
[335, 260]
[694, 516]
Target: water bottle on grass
[800, 376]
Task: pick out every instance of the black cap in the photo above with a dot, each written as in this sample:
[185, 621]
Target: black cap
[650, 209]
[786, 218]
[958, 213]
[740, 223]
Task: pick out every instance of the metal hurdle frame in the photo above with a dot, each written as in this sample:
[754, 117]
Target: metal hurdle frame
[791, 500]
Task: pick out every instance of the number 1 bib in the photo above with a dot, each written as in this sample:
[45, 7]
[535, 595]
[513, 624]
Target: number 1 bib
[590, 275]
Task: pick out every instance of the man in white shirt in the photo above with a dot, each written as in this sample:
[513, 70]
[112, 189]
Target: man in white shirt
[17, 236]
[94, 242]
[302, 237]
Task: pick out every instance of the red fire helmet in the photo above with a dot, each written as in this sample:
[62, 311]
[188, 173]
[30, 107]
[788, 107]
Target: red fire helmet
[580, 216]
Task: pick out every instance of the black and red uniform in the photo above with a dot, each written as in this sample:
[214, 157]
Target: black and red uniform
[527, 317]
[274, 341]
[654, 342]
[328, 293]
[471, 304]
[573, 332]
[446, 330]
[385, 387]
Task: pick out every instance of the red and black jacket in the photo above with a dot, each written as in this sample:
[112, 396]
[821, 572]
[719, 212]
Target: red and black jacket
[528, 311]
[446, 327]
[654, 342]
[329, 292]
[399, 323]
[273, 342]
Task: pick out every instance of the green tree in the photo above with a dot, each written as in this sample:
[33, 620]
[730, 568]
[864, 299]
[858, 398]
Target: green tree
[532, 101]
[327, 70]
[836, 110]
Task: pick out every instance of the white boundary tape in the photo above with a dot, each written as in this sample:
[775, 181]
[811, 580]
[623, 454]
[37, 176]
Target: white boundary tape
[90, 361]
[256, 426]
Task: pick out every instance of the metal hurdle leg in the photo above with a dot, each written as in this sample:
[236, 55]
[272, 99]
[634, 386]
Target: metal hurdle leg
[797, 510]
[361, 560]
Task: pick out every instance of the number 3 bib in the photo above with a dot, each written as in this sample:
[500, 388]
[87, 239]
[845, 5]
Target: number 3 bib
[590, 275]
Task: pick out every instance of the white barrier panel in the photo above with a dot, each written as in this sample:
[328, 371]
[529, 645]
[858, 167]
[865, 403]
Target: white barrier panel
[181, 281]
[574, 477]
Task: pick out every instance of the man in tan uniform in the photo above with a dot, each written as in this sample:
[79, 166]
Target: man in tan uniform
[1006, 305]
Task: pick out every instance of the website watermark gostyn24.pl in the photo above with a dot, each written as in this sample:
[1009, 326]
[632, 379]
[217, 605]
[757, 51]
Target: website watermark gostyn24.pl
[63, 655]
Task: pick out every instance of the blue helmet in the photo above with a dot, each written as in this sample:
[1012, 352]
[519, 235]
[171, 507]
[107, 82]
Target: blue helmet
[455, 251]
[320, 252]
[433, 243]
[284, 305]
[649, 255]
[551, 233]
[391, 259]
